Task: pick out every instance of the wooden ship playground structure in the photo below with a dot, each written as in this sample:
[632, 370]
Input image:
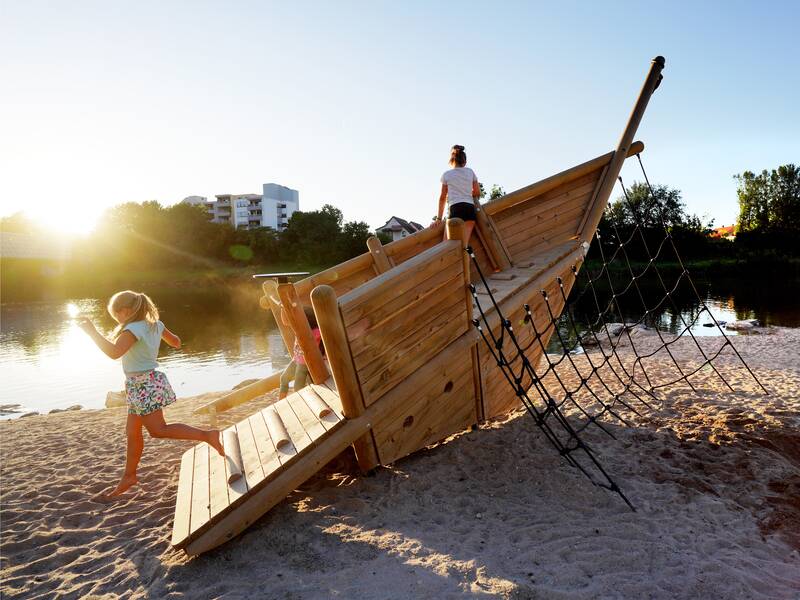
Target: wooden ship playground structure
[426, 337]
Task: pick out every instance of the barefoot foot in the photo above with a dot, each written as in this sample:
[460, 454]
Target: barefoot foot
[215, 442]
[127, 482]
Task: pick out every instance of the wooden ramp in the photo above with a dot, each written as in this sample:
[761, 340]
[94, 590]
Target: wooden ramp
[280, 447]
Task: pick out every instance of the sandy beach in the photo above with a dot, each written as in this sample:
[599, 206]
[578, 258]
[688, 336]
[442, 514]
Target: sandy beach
[495, 512]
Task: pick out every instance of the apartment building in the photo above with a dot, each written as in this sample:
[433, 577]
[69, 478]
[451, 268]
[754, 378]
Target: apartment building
[272, 209]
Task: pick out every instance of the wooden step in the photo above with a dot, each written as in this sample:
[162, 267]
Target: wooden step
[204, 494]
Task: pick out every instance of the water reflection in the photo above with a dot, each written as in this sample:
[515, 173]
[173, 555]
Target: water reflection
[722, 299]
[46, 362]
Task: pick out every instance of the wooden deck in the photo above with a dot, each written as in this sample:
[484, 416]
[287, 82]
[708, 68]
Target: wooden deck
[204, 495]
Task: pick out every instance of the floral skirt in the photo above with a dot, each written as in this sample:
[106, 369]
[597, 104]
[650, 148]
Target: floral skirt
[148, 392]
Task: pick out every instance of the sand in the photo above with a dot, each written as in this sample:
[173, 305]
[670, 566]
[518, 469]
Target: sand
[715, 478]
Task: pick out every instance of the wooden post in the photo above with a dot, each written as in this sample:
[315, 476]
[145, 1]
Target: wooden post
[379, 257]
[614, 167]
[496, 253]
[270, 289]
[340, 358]
[302, 331]
[456, 231]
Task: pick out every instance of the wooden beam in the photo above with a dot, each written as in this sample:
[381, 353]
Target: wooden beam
[379, 257]
[545, 185]
[490, 240]
[340, 358]
[242, 395]
[302, 330]
[272, 301]
[625, 148]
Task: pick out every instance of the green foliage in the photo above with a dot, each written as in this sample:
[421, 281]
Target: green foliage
[496, 192]
[770, 201]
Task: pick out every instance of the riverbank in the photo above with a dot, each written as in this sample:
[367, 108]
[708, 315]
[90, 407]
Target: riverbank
[715, 478]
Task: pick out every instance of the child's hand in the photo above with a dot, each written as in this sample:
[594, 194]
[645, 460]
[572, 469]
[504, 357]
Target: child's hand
[86, 325]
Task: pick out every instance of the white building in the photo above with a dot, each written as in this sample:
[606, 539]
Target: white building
[278, 203]
[399, 228]
[246, 211]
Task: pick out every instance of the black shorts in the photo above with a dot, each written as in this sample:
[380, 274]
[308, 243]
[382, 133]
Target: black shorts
[462, 210]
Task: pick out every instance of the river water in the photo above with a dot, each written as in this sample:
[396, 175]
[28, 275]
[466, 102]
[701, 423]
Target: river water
[46, 362]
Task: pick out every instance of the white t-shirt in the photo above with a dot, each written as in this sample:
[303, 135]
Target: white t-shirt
[459, 185]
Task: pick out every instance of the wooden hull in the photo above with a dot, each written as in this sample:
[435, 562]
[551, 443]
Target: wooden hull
[408, 366]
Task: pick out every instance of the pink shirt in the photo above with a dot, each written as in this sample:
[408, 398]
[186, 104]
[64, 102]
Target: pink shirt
[298, 352]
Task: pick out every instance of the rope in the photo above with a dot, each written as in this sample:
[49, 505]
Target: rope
[610, 387]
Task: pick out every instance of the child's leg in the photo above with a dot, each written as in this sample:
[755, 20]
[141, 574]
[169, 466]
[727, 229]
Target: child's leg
[158, 428]
[468, 227]
[300, 377]
[287, 375]
[133, 430]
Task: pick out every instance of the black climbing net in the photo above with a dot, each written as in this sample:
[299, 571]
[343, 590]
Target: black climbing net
[589, 379]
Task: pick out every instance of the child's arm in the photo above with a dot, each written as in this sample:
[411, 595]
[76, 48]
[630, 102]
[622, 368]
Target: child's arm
[111, 349]
[171, 339]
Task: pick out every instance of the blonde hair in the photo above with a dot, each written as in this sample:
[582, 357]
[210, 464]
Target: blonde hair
[141, 306]
[458, 158]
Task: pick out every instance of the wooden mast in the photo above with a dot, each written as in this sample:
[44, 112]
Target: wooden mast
[601, 199]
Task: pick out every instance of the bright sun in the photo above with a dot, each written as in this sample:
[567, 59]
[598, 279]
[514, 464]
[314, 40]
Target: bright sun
[65, 220]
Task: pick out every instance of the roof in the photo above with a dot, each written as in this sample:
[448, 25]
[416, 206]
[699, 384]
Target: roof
[724, 231]
[402, 224]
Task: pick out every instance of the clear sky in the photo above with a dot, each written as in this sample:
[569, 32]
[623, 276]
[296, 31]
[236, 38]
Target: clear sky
[357, 103]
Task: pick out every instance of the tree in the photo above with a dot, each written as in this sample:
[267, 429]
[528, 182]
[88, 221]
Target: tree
[645, 208]
[353, 239]
[496, 192]
[769, 201]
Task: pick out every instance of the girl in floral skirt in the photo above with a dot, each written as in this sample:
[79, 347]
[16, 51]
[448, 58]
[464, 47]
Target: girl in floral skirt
[136, 341]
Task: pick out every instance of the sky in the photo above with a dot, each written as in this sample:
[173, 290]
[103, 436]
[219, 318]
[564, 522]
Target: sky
[357, 104]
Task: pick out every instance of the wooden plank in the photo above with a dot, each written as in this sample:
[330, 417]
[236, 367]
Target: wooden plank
[358, 303]
[267, 453]
[242, 395]
[417, 355]
[330, 397]
[418, 297]
[271, 301]
[592, 200]
[503, 276]
[402, 250]
[361, 263]
[371, 363]
[251, 463]
[551, 238]
[218, 484]
[569, 210]
[278, 432]
[285, 480]
[297, 432]
[544, 185]
[515, 219]
[379, 258]
[238, 487]
[383, 338]
[183, 499]
[299, 404]
[330, 420]
[200, 489]
[302, 331]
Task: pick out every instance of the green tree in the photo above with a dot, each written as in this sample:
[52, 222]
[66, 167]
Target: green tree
[769, 201]
[353, 239]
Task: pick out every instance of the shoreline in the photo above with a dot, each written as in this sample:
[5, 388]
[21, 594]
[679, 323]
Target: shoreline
[715, 478]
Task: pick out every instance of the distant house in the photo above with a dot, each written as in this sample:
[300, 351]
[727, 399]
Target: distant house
[726, 233]
[399, 228]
